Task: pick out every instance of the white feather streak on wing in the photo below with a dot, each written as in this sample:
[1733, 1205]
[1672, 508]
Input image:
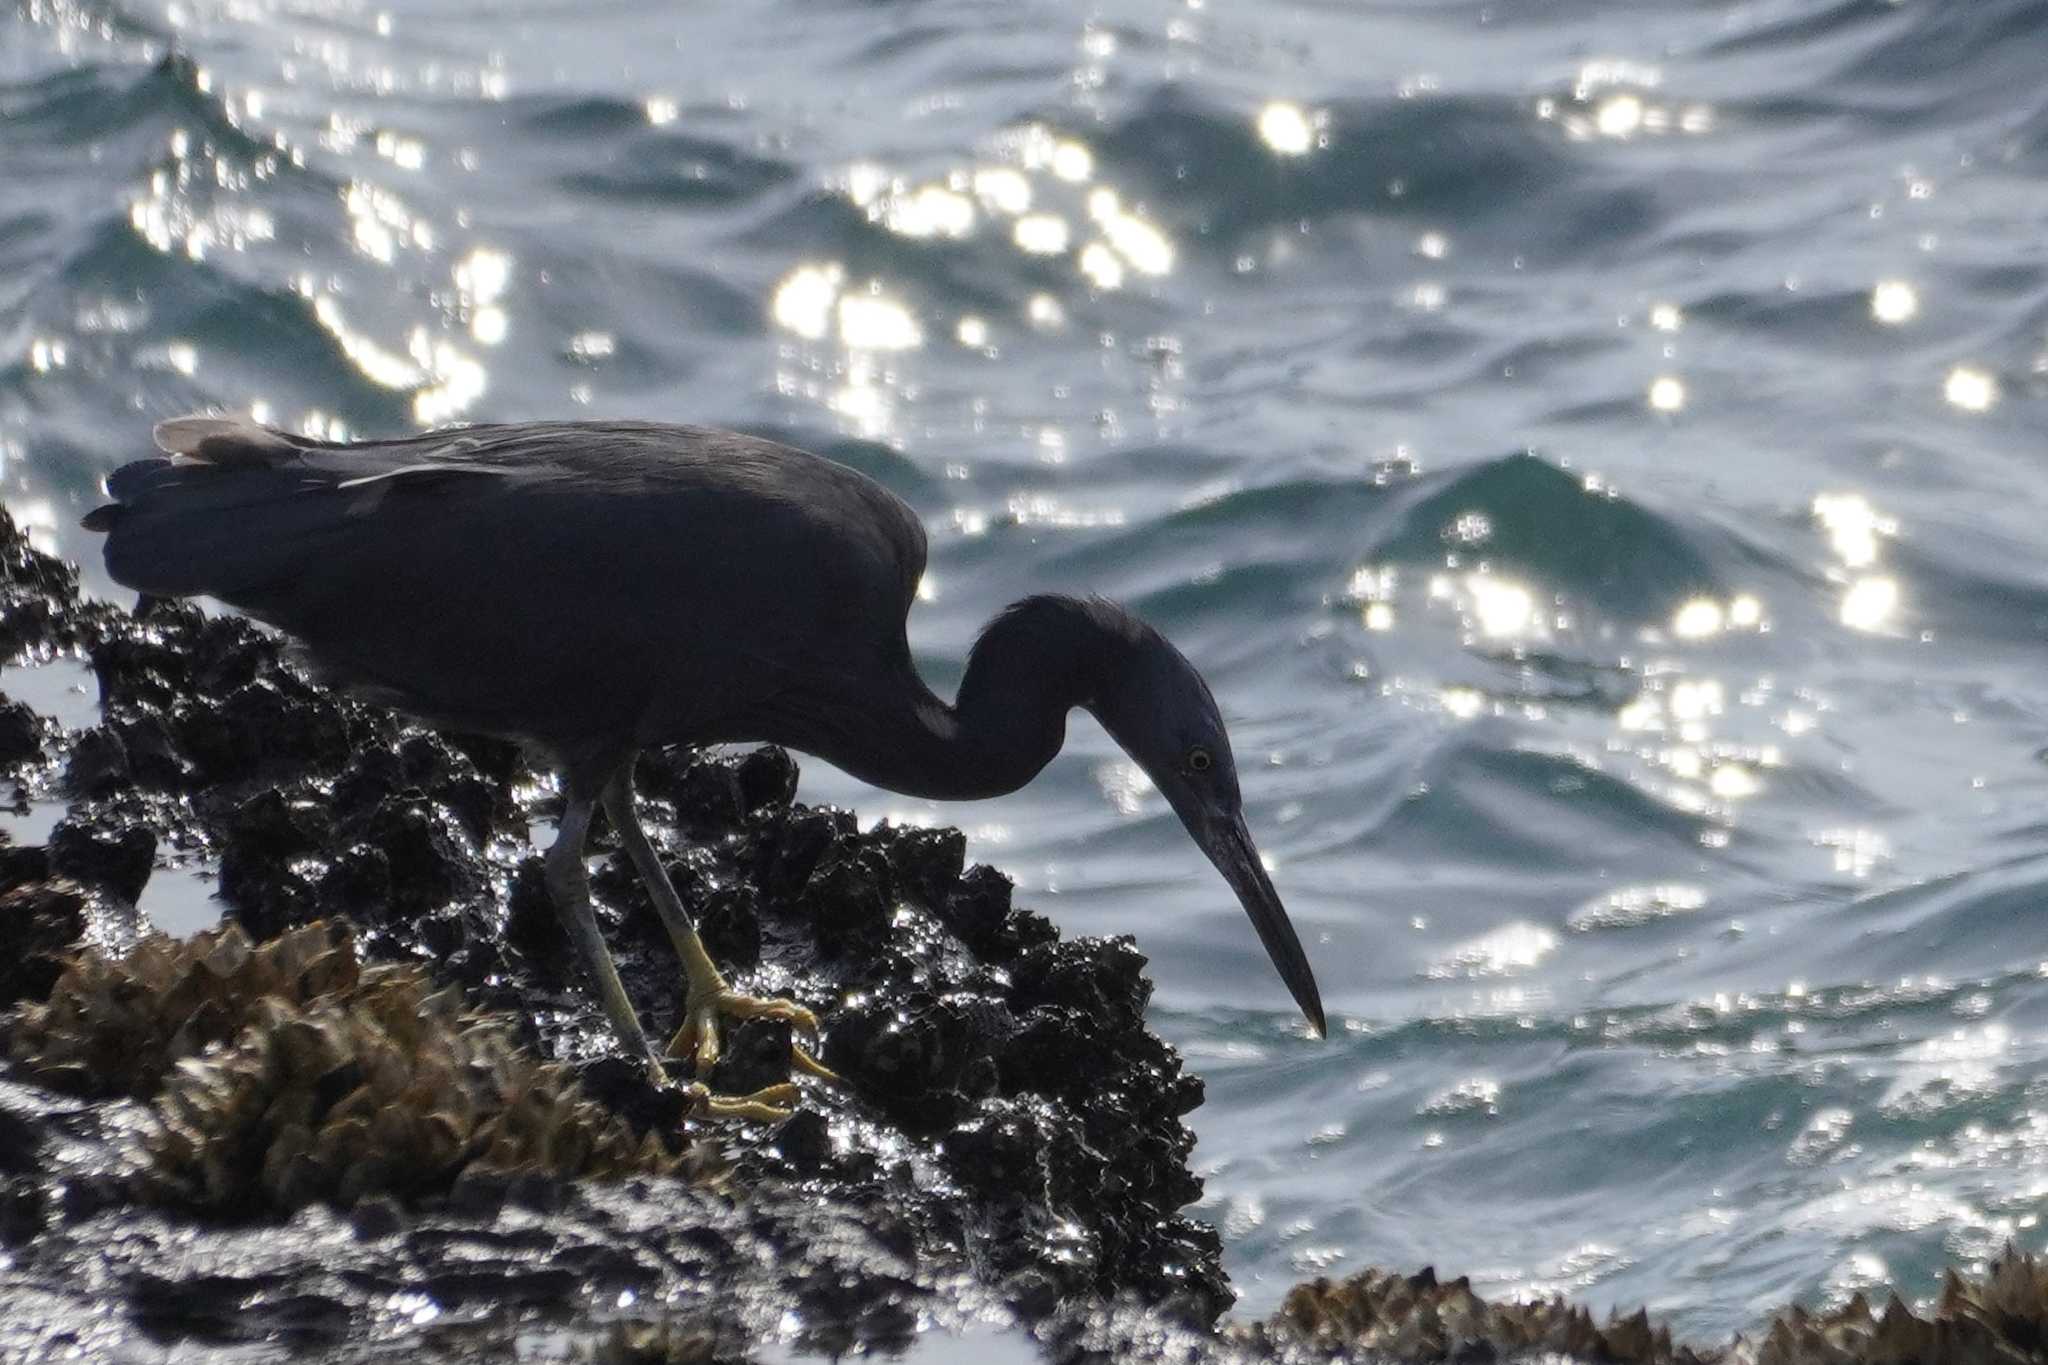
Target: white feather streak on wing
[401, 472]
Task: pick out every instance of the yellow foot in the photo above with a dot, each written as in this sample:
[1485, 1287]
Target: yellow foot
[770, 1104]
[698, 1038]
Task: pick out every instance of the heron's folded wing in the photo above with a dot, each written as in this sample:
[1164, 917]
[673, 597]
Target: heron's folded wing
[233, 505]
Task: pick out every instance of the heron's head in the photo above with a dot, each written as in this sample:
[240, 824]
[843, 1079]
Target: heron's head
[1158, 708]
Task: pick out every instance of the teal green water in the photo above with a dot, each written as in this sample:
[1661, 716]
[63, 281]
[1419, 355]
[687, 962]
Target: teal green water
[1595, 451]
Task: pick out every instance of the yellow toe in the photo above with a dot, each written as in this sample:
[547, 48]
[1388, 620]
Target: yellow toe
[770, 1104]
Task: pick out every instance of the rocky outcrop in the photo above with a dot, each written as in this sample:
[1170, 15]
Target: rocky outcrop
[390, 1029]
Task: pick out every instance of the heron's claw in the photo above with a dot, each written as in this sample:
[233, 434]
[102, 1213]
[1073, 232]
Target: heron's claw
[698, 1039]
[770, 1104]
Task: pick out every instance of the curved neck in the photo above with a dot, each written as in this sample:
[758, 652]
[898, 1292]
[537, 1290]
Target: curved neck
[1038, 660]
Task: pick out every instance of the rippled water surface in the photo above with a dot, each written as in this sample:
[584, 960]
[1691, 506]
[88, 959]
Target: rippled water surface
[1594, 449]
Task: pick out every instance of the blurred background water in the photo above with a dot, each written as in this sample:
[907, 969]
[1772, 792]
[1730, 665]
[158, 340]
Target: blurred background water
[1595, 451]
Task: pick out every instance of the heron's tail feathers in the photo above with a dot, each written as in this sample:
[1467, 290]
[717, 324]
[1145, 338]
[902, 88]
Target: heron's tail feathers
[222, 513]
[184, 528]
[220, 441]
[231, 508]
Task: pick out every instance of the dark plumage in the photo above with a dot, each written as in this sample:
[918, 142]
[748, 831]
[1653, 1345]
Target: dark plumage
[595, 588]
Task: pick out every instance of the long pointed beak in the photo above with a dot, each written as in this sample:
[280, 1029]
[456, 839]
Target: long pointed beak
[1229, 846]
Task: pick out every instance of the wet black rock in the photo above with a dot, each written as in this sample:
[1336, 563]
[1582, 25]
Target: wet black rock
[924, 1060]
[755, 1056]
[39, 607]
[928, 863]
[99, 764]
[21, 864]
[729, 922]
[21, 734]
[106, 846]
[40, 921]
[767, 780]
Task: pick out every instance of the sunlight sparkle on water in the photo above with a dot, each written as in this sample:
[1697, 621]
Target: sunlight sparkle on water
[1667, 393]
[1125, 785]
[1041, 234]
[1072, 162]
[1733, 782]
[803, 301]
[1853, 526]
[930, 211]
[1509, 949]
[1698, 619]
[1854, 851]
[1463, 702]
[1147, 248]
[1101, 266]
[1894, 301]
[1630, 906]
[459, 380]
[480, 281]
[1500, 607]
[1427, 297]
[1645, 712]
[1620, 117]
[1972, 390]
[1698, 699]
[1003, 189]
[1870, 602]
[1286, 129]
[375, 362]
[408, 154]
[380, 222]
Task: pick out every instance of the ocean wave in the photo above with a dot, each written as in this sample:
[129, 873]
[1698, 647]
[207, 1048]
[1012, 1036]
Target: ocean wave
[1484, 161]
[1522, 512]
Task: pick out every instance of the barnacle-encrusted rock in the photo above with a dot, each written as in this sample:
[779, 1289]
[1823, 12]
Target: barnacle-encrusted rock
[1417, 1318]
[2002, 1317]
[115, 1024]
[286, 1073]
[390, 1087]
[672, 1341]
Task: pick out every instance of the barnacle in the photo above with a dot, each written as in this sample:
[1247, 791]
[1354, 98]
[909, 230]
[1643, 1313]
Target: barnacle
[1416, 1318]
[673, 1341]
[287, 1073]
[115, 1024]
[2002, 1317]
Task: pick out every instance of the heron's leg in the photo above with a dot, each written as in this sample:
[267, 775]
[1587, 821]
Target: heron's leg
[569, 887]
[709, 996]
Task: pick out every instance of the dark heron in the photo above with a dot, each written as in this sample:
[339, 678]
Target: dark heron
[593, 588]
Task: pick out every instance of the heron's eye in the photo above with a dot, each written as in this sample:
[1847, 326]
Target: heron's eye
[1200, 760]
